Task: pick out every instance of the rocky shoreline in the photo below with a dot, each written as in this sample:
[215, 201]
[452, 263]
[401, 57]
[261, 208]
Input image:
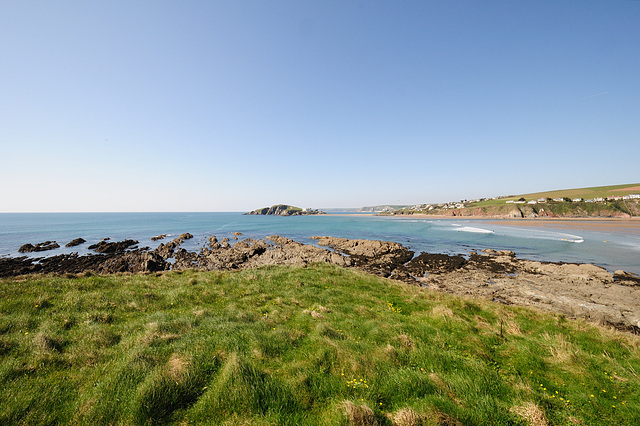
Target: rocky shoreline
[575, 290]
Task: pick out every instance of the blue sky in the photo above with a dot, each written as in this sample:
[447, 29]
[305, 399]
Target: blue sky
[235, 105]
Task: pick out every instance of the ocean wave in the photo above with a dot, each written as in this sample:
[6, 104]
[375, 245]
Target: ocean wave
[572, 238]
[540, 235]
[474, 230]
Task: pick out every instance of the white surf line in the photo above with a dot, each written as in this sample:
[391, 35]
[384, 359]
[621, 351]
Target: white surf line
[473, 230]
[540, 234]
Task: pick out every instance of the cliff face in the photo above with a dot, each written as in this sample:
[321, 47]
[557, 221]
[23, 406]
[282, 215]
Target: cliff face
[284, 210]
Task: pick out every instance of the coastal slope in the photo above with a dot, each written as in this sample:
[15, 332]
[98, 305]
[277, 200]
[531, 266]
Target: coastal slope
[617, 201]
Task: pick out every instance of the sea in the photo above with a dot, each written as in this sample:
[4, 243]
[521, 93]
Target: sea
[601, 243]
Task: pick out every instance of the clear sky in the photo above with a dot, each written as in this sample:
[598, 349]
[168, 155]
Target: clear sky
[234, 105]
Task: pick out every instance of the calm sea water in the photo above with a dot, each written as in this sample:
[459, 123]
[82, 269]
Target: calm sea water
[608, 247]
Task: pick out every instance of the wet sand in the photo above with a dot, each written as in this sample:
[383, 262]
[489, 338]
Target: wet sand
[616, 225]
[600, 224]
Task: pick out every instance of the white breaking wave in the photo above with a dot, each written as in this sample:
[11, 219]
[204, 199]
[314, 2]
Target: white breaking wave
[474, 230]
[540, 235]
[572, 238]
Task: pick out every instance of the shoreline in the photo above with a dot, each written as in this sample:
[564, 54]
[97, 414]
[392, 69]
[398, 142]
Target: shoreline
[596, 223]
[443, 216]
[578, 290]
[521, 236]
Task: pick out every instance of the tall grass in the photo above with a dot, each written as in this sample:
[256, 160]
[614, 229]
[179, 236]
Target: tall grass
[284, 345]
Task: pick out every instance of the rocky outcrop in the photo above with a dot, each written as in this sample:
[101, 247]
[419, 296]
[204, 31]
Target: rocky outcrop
[576, 290]
[106, 246]
[133, 262]
[284, 210]
[159, 237]
[30, 248]
[166, 251]
[249, 253]
[378, 257]
[76, 242]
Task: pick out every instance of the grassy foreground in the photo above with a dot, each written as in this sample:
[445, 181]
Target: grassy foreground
[284, 345]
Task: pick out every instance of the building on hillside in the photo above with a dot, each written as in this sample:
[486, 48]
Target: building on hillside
[559, 199]
[631, 197]
[577, 200]
[532, 202]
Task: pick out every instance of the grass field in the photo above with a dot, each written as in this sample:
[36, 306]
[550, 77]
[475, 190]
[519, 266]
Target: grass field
[586, 193]
[284, 345]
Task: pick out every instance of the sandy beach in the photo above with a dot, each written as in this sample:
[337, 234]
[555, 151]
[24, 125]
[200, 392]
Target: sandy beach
[613, 224]
[632, 224]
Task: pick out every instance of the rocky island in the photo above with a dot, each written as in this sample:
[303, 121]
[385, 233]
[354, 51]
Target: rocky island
[284, 210]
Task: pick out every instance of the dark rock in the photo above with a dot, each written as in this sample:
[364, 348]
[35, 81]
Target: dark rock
[134, 262]
[493, 263]
[75, 242]
[378, 257]
[159, 237]
[16, 266]
[112, 247]
[47, 245]
[165, 251]
[626, 278]
[434, 263]
[183, 237]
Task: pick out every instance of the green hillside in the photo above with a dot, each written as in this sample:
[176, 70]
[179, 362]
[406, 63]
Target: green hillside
[586, 193]
[298, 346]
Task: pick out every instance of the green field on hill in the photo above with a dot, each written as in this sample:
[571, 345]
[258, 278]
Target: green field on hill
[586, 193]
[288, 345]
